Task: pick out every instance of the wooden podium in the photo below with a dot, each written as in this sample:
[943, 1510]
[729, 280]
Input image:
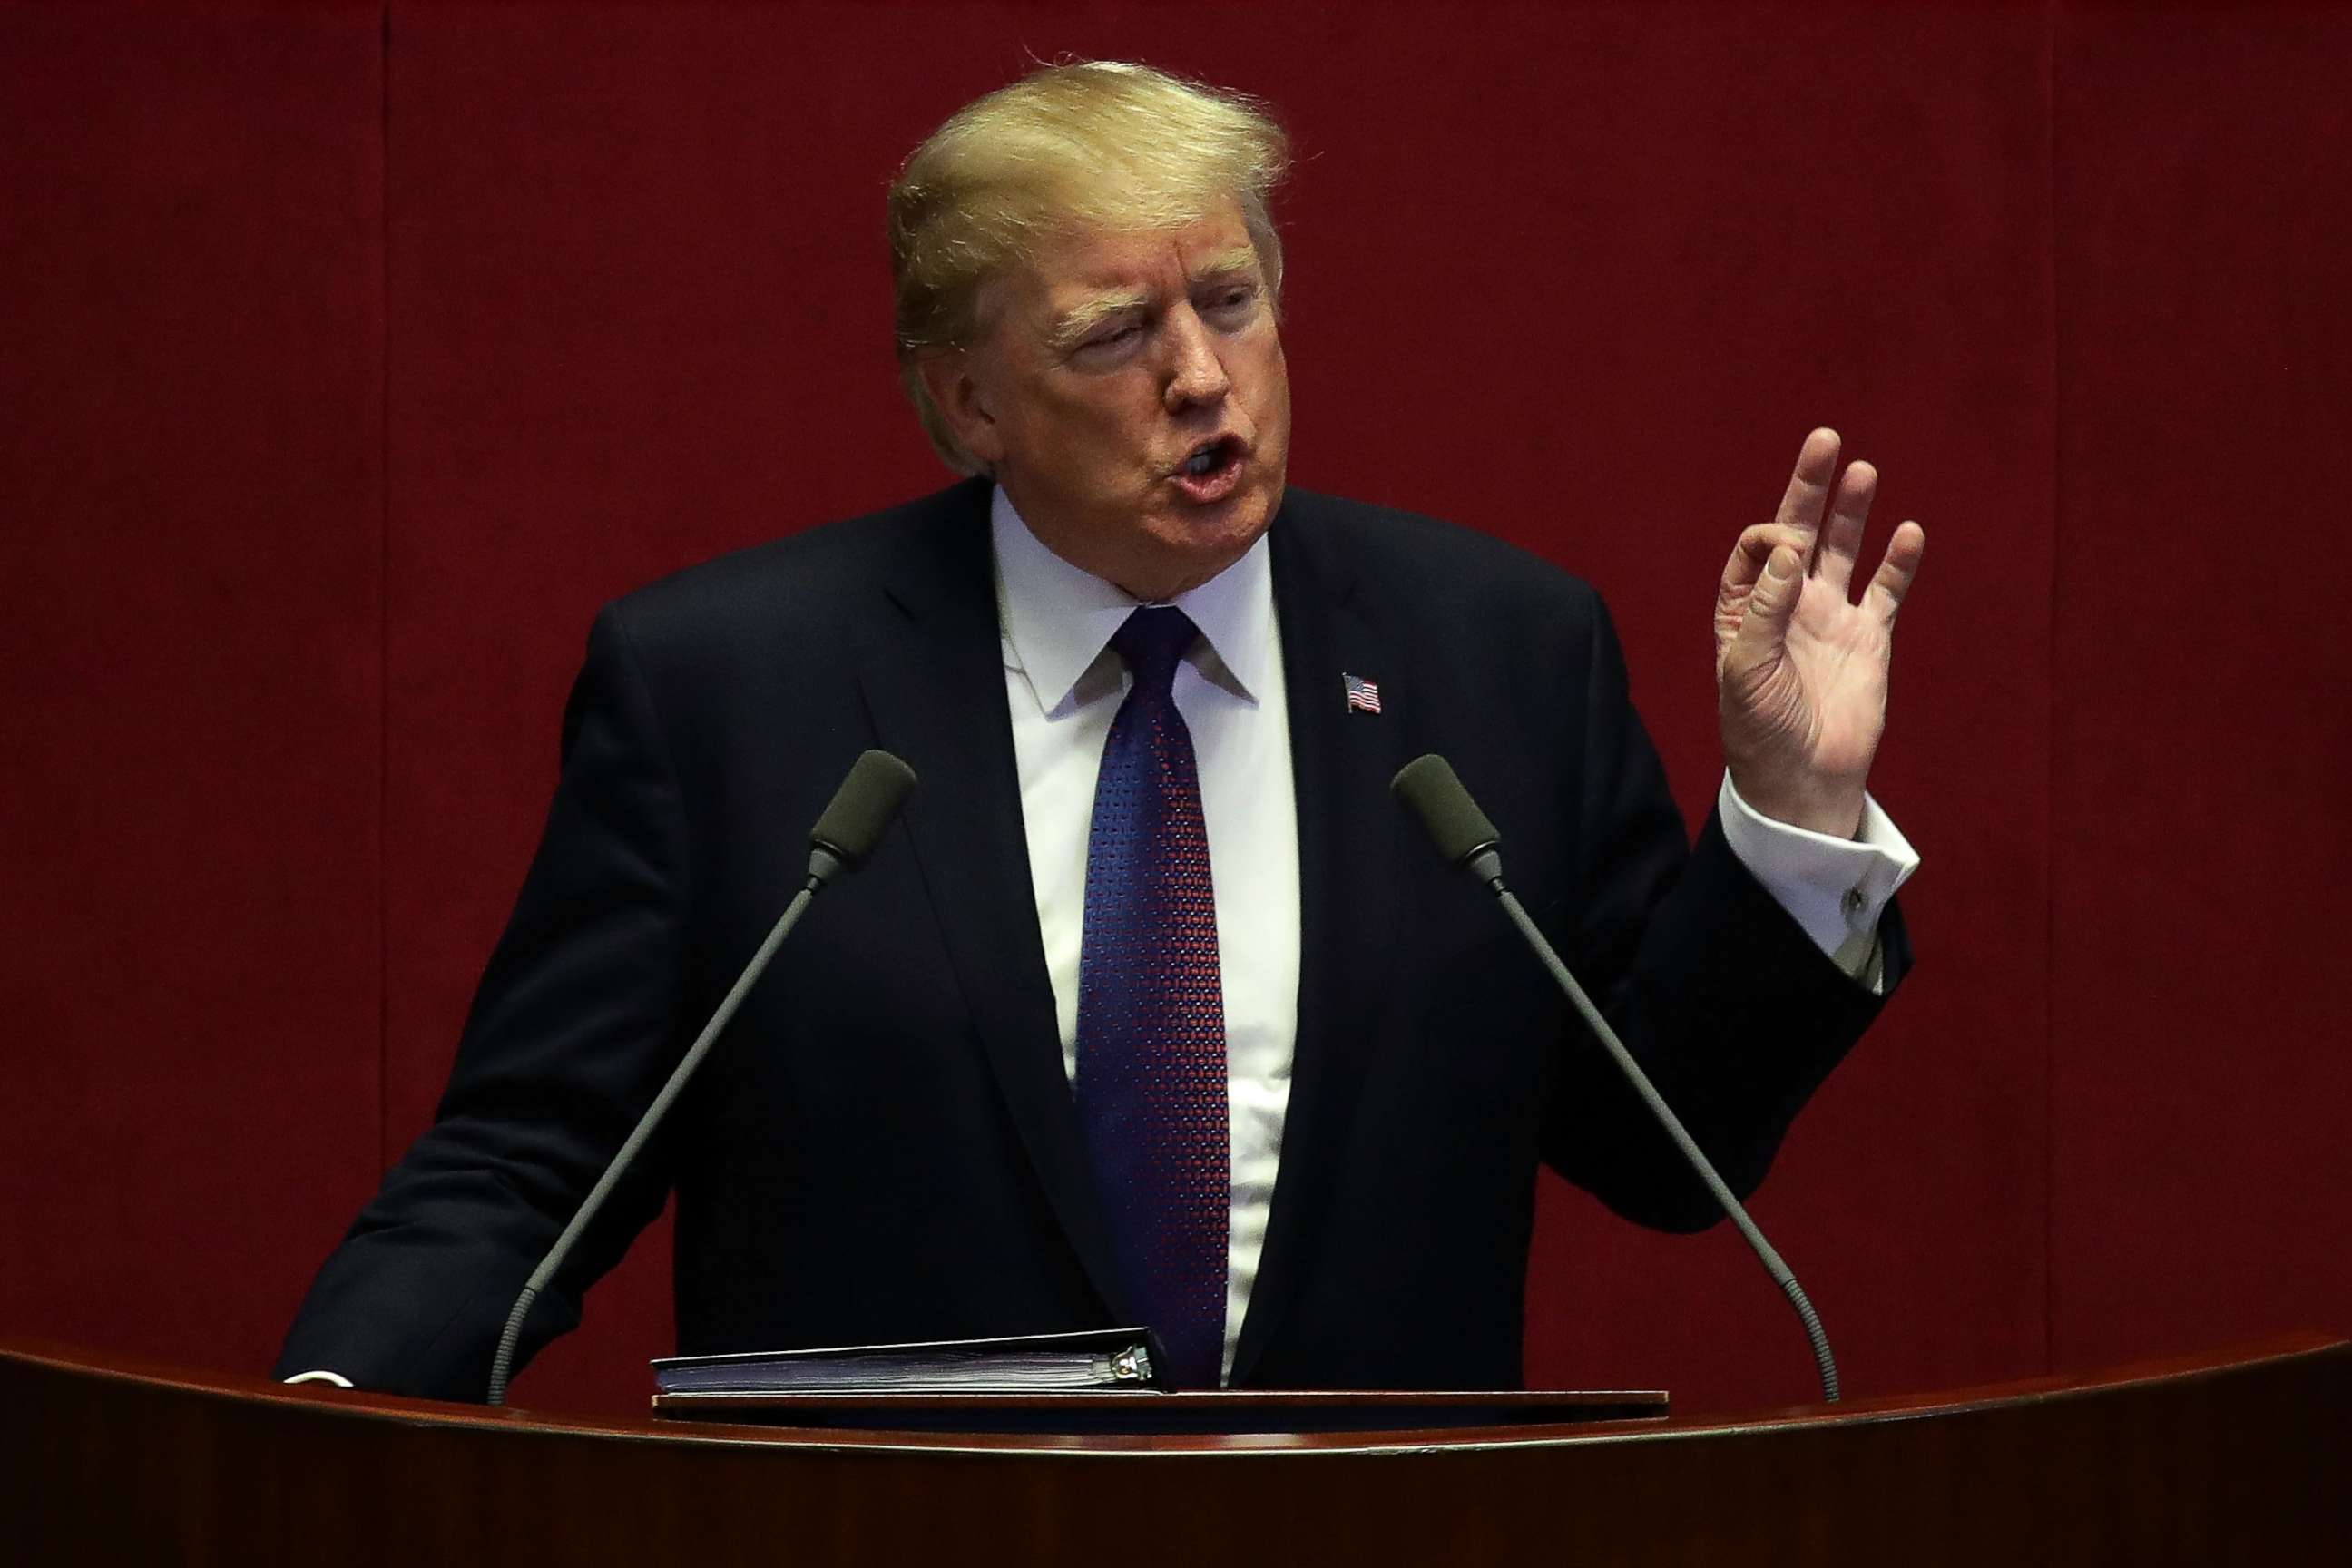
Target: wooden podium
[2230, 1459]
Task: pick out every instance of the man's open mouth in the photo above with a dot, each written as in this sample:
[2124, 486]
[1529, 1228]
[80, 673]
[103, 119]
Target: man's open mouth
[1211, 469]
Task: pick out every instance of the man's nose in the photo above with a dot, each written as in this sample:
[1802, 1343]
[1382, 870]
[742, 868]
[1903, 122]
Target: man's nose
[1197, 373]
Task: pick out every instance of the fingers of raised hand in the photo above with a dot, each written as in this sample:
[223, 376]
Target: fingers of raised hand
[1809, 487]
[1755, 546]
[1842, 540]
[1743, 572]
[1895, 574]
[1763, 624]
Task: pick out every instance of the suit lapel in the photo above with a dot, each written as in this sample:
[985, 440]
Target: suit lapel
[935, 687]
[1349, 837]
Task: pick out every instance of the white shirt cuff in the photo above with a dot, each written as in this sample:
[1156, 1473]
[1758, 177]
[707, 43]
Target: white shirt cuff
[1835, 888]
[336, 1378]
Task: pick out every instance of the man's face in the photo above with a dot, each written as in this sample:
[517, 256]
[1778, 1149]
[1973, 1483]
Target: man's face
[1131, 396]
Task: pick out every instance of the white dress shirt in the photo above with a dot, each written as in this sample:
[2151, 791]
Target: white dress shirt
[1064, 684]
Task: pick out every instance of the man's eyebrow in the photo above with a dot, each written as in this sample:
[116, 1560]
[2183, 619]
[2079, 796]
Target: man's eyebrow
[1240, 261]
[1071, 327]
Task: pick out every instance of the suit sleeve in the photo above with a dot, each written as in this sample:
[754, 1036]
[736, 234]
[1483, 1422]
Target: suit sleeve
[1736, 1014]
[572, 1031]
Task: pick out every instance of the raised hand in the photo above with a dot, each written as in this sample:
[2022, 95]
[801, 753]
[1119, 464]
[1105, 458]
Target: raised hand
[1799, 667]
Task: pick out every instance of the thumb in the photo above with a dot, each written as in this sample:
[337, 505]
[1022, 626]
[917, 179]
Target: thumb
[1764, 624]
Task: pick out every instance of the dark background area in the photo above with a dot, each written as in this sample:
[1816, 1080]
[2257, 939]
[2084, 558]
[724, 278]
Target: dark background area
[351, 355]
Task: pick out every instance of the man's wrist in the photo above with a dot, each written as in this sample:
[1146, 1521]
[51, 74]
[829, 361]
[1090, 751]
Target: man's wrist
[1833, 810]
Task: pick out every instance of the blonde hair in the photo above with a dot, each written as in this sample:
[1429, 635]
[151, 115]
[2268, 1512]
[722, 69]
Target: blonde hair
[1095, 145]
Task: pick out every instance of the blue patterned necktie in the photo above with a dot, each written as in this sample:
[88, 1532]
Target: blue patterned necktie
[1152, 1015]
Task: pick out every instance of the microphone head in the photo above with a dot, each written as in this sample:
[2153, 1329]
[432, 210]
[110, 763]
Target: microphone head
[1430, 791]
[877, 785]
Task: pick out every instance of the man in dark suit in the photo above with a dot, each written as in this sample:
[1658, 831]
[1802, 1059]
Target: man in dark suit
[1153, 1007]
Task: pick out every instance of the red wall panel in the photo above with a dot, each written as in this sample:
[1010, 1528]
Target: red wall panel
[427, 328]
[2201, 861]
[191, 432]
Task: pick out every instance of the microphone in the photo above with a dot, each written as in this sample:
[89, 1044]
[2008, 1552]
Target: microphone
[1429, 789]
[861, 809]
[877, 785]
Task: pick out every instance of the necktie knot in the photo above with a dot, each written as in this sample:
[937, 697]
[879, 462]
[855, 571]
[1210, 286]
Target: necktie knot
[1151, 641]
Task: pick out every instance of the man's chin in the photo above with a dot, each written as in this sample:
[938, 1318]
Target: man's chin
[1197, 543]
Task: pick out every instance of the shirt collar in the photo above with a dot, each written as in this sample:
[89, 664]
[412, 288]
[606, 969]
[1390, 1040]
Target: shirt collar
[1058, 619]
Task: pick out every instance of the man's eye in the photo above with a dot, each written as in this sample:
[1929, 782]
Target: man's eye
[1112, 337]
[1232, 301]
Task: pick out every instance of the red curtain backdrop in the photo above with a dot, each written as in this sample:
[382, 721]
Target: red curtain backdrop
[351, 355]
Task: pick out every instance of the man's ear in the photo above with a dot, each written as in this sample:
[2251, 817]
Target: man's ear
[962, 403]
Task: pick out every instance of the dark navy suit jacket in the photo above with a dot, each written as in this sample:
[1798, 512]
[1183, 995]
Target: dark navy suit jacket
[883, 1146]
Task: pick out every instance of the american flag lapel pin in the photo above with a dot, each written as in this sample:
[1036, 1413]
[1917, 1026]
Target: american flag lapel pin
[1363, 696]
